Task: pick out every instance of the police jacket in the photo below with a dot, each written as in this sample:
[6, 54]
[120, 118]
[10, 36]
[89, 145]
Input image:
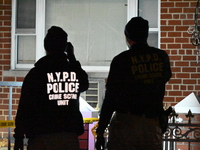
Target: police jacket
[136, 83]
[49, 99]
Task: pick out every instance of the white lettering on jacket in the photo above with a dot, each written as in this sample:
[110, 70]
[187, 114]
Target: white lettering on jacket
[62, 86]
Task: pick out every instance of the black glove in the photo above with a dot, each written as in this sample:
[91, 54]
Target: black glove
[168, 111]
[163, 119]
[100, 143]
[19, 144]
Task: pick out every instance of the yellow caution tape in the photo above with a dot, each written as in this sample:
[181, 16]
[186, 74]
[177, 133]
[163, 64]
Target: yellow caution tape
[6, 124]
[11, 123]
[90, 120]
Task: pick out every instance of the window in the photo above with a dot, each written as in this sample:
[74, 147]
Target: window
[95, 28]
[149, 9]
[25, 31]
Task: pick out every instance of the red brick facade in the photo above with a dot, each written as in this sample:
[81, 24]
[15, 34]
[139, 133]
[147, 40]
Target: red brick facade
[176, 17]
[5, 37]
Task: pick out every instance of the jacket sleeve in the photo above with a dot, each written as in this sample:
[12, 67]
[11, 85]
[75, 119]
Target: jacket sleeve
[110, 102]
[167, 68]
[25, 104]
[106, 113]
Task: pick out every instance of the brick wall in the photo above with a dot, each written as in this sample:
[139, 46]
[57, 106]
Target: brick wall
[5, 36]
[176, 17]
[5, 45]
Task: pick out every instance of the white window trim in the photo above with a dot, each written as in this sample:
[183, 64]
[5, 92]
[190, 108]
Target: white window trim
[159, 32]
[13, 24]
[40, 33]
[132, 6]
[133, 12]
[132, 9]
[40, 28]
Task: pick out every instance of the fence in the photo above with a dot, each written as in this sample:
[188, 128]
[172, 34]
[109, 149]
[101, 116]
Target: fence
[185, 132]
[10, 85]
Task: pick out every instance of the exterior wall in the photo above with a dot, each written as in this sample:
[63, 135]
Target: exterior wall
[5, 45]
[176, 17]
[5, 36]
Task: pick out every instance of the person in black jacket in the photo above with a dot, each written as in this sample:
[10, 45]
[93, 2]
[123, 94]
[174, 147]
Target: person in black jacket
[135, 90]
[48, 113]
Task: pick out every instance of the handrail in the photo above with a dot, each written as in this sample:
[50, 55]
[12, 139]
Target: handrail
[4, 83]
[10, 85]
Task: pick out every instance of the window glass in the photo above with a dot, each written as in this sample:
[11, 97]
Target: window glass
[26, 14]
[25, 31]
[26, 46]
[95, 28]
[153, 39]
[148, 9]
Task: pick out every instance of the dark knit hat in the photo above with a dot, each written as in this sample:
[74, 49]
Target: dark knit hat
[137, 29]
[55, 40]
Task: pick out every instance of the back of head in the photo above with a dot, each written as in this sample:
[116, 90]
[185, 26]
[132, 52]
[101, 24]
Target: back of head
[137, 30]
[55, 40]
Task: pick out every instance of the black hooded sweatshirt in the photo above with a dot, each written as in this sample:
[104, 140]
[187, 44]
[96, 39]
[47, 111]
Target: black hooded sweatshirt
[49, 99]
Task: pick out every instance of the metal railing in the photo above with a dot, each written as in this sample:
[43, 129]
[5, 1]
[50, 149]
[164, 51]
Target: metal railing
[181, 132]
[10, 85]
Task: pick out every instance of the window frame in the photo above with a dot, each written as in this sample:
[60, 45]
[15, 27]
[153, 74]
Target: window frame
[132, 11]
[39, 33]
